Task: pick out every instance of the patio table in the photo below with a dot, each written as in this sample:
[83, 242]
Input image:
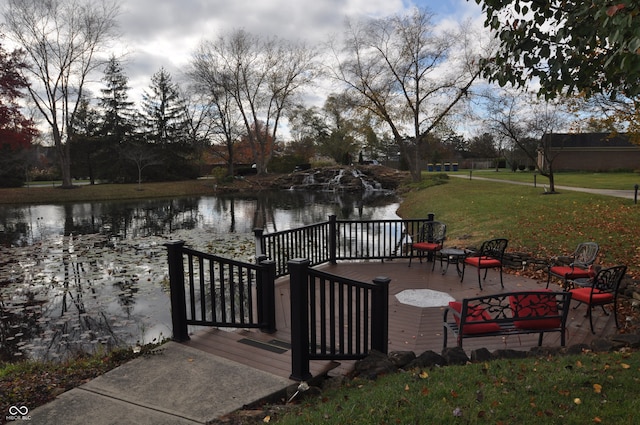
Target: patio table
[452, 256]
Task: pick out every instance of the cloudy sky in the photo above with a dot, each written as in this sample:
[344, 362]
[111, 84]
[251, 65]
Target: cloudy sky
[163, 33]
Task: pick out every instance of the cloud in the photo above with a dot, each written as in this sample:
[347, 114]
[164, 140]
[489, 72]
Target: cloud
[164, 33]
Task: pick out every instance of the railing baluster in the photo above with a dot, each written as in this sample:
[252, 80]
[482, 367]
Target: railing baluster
[192, 289]
[323, 316]
[232, 294]
[223, 293]
[212, 279]
[203, 292]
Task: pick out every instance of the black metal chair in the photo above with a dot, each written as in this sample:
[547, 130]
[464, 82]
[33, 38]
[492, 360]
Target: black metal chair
[490, 256]
[430, 240]
[602, 291]
[575, 266]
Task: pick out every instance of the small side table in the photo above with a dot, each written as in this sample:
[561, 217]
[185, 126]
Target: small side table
[452, 256]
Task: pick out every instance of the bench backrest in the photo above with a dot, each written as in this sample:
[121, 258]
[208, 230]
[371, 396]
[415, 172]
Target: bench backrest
[543, 310]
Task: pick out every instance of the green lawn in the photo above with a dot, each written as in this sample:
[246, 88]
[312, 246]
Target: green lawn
[621, 180]
[587, 389]
[544, 225]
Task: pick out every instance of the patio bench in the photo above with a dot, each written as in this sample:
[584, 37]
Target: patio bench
[509, 313]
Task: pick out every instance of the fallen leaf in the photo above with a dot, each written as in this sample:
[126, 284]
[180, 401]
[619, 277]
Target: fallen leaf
[424, 374]
[597, 388]
[577, 401]
[266, 419]
[625, 366]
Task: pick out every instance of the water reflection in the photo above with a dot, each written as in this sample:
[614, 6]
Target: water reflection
[75, 277]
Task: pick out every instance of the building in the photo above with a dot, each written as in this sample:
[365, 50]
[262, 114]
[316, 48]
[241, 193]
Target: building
[591, 152]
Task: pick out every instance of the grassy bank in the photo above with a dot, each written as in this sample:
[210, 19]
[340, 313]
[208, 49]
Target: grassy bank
[583, 389]
[103, 192]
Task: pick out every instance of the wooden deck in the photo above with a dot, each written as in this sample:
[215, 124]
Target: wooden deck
[411, 328]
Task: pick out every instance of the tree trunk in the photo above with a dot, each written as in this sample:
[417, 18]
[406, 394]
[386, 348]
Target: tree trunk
[64, 158]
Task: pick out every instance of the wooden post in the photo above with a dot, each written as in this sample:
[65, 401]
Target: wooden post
[380, 314]
[298, 269]
[176, 285]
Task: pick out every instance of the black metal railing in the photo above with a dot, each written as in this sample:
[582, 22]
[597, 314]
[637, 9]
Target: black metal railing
[302, 242]
[336, 240]
[334, 318]
[219, 291]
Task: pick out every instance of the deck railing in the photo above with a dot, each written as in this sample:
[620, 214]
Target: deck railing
[219, 291]
[334, 318]
[336, 240]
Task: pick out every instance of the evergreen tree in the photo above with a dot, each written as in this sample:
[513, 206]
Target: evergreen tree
[85, 141]
[118, 114]
[16, 131]
[118, 123]
[164, 110]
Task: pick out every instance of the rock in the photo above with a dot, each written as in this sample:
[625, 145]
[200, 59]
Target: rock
[345, 179]
[427, 359]
[509, 354]
[455, 356]
[577, 349]
[480, 355]
[630, 340]
[374, 365]
[401, 358]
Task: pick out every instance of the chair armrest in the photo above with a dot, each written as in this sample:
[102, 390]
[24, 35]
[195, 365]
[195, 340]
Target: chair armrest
[454, 313]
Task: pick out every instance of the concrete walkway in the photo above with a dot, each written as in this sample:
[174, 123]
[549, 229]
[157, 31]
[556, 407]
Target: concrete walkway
[175, 385]
[628, 194]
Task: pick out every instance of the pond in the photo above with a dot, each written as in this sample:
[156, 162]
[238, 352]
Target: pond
[87, 276]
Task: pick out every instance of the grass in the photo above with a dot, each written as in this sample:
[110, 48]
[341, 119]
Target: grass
[582, 389]
[618, 180]
[543, 225]
[103, 192]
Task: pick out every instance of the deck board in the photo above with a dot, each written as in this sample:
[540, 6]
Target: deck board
[411, 328]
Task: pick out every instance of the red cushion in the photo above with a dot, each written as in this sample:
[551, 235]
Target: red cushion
[484, 262]
[569, 272]
[584, 294]
[535, 305]
[477, 315]
[427, 246]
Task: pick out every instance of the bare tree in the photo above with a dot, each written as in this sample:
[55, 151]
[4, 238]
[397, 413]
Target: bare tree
[519, 117]
[62, 39]
[261, 76]
[224, 120]
[142, 155]
[408, 74]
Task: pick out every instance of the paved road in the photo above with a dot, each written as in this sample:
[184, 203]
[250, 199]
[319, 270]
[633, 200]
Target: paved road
[628, 194]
